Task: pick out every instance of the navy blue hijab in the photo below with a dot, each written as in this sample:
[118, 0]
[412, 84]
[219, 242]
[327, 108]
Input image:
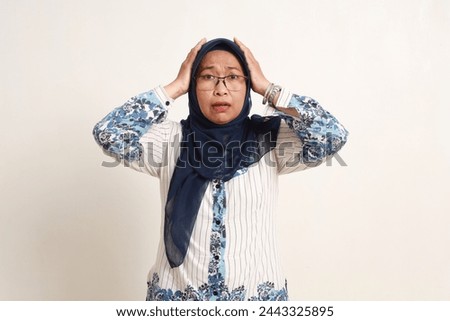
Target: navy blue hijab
[210, 151]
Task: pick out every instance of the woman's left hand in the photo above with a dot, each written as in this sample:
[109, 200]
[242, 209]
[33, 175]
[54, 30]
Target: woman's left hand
[258, 80]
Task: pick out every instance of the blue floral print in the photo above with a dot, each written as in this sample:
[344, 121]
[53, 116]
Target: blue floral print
[265, 292]
[216, 289]
[321, 134]
[216, 270]
[119, 132]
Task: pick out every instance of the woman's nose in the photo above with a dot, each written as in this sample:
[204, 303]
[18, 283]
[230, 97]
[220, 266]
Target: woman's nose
[221, 88]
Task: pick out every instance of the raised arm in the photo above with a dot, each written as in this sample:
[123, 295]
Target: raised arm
[123, 132]
[119, 132]
[309, 133]
[309, 138]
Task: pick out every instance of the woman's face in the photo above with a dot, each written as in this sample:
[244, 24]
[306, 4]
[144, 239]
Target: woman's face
[220, 105]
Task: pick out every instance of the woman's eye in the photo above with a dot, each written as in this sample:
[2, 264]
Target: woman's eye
[233, 77]
[208, 77]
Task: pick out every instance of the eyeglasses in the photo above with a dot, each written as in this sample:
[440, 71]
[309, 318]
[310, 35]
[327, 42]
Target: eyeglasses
[231, 82]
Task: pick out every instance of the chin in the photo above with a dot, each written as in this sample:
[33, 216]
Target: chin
[221, 120]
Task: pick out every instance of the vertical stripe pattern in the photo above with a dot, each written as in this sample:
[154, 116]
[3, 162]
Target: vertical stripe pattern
[232, 253]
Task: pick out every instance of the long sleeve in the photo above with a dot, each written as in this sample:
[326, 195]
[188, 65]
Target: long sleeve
[309, 139]
[121, 132]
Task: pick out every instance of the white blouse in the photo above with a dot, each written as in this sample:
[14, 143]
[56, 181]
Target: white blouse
[232, 253]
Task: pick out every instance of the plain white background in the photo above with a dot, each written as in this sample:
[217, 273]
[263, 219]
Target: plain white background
[376, 229]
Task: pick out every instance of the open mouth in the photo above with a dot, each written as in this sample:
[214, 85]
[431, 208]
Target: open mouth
[220, 106]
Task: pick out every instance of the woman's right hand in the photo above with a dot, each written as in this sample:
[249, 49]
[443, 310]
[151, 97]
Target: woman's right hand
[180, 85]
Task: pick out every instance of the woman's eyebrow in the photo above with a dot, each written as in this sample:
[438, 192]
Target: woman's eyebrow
[235, 68]
[205, 68]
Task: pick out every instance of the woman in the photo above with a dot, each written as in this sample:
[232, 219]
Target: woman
[218, 171]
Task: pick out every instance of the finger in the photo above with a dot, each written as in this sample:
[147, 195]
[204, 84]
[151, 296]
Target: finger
[193, 52]
[238, 42]
[199, 45]
[241, 46]
[202, 41]
[247, 52]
